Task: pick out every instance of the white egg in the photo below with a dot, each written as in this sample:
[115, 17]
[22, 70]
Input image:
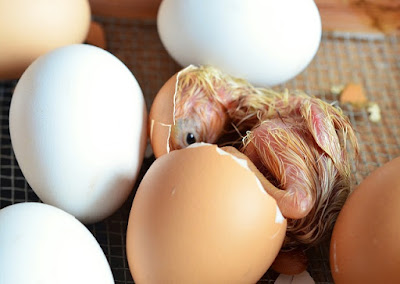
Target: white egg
[43, 244]
[78, 130]
[264, 41]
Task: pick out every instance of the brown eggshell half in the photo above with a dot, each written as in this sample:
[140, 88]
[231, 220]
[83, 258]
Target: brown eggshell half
[201, 215]
[365, 244]
[161, 118]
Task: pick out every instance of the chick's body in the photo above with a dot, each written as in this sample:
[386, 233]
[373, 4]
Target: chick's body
[290, 153]
[298, 142]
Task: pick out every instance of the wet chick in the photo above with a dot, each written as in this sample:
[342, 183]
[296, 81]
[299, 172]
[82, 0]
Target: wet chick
[299, 143]
[302, 148]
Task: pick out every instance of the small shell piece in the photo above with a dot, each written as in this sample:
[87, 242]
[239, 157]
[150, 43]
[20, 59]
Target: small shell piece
[353, 94]
[374, 112]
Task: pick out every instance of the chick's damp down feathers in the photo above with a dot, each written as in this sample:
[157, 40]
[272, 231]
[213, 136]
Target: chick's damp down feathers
[301, 147]
[198, 114]
[298, 142]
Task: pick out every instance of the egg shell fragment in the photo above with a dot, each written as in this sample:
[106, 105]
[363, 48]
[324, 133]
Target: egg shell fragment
[200, 213]
[365, 245]
[78, 130]
[161, 117]
[43, 244]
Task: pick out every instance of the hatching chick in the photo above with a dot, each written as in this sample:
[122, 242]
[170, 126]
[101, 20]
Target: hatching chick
[301, 147]
[298, 142]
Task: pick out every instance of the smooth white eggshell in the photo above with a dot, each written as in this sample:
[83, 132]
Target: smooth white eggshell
[264, 41]
[43, 244]
[78, 130]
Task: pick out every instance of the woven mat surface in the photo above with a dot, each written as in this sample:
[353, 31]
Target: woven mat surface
[372, 62]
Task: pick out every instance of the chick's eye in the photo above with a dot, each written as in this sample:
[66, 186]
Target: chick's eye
[190, 139]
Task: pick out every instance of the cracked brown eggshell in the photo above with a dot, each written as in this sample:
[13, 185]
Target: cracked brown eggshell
[201, 213]
[161, 117]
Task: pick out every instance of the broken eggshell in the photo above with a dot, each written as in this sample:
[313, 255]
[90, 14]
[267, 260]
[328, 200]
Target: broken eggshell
[201, 213]
[195, 101]
[161, 117]
[168, 129]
